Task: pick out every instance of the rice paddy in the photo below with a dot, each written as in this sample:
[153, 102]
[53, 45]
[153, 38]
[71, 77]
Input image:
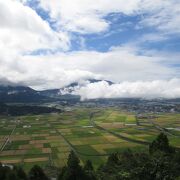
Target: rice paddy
[48, 139]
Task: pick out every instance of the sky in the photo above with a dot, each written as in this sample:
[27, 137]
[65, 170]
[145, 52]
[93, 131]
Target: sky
[48, 44]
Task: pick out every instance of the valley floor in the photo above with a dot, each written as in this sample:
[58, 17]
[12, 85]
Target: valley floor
[92, 133]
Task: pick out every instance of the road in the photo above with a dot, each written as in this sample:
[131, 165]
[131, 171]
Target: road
[7, 140]
[115, 134]
[164, 130]
[77, 152]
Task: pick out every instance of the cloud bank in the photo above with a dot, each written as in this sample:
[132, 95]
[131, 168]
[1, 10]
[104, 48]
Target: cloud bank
[139, 89]
[58, 70]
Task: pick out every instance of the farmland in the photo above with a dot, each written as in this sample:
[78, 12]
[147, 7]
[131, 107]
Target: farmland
[91, 133]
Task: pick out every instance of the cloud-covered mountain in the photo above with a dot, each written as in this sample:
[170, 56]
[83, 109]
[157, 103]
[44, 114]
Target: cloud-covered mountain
[11, 92]
[94, 89]
[141, 89]
[70, 89]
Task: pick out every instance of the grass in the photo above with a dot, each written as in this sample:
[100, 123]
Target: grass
[15, 144]
[87, 149]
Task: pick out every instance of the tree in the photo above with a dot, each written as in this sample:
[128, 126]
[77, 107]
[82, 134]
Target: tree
[88, 166]
[73, 161]
[12, 175]
[20, 173]
[113, 159]
[36, 173]
[73, 171]
[89, 170]
[3, 171]
[161, 143]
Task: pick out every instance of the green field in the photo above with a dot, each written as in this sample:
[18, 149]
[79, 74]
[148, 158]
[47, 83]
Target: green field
[48, 139]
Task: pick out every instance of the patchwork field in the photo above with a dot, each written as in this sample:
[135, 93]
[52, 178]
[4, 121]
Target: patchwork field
[91, 133]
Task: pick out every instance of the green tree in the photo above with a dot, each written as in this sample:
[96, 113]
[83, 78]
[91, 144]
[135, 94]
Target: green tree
[36, 173]
[12, 175]
[73, 171]
[89, 170]
[20, 173]
[3, 171]
[113, 159]
[88, 166]
[161, 143]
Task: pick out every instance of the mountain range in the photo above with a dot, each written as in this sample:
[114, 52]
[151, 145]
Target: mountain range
[22, 94]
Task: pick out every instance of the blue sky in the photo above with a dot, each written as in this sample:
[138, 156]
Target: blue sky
[122, 41]
[123, 29]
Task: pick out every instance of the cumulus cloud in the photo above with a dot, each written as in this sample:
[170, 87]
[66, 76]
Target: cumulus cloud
[22, 30]
[157, 14]
[139, 89]
[84, 16]
[55, 71]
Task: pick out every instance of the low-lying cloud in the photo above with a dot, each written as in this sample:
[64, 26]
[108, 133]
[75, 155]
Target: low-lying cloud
[139, 89]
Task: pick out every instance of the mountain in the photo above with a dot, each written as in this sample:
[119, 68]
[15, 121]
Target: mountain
[22, 94]
[19, 94]
[50, 93]
[65, 92]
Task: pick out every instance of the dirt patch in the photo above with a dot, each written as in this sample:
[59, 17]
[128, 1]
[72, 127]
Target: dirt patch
[36, 159]
[12, 152]
[20, 138]
[39, 141]
[52, 137]
[46, 150]
[11, 161]
[40, 135]
[38, 145]
[112, 125]
[25, 146]
[111, 138]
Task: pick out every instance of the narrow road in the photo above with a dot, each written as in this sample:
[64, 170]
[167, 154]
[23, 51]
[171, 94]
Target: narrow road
[117, 135]
[74, 149]
[7, 139]
[77, 152]
[122, 137]
[164, 130]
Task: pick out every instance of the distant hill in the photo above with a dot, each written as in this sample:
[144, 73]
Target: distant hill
[19, 110]
[19, 94]
[22, 94]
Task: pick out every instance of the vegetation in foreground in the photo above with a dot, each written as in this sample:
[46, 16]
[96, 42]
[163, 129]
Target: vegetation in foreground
[161, 163]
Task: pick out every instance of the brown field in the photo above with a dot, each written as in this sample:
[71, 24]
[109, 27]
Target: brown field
[13, 152]
[112, 125]
[36, 159]
[46, 150]
[11, 161]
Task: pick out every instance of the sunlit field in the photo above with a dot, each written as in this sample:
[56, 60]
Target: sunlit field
[91, 133]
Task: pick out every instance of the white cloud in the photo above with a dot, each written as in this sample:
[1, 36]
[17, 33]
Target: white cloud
[22, 30]
[163, 15]
[139, 89]
[54, 71]
[85, 16]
